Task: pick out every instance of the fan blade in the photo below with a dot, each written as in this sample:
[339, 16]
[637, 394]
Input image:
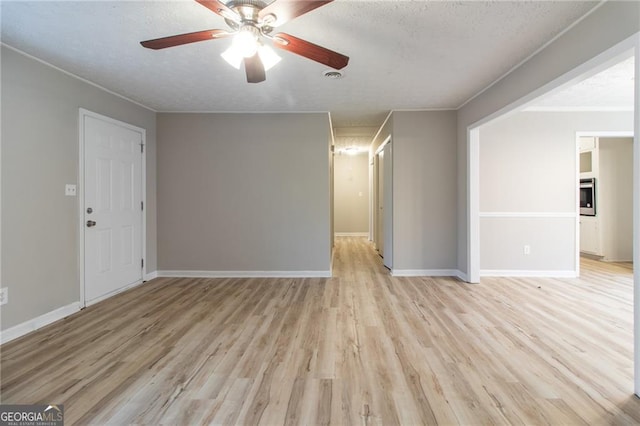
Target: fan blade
[286, 10]
[177, 40]
[309, 50]
[221, 9]
[254, 69]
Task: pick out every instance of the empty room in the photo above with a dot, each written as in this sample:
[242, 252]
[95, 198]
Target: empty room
[320, 212]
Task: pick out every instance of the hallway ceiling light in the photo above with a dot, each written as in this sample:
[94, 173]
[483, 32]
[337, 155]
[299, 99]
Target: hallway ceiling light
[351, 150]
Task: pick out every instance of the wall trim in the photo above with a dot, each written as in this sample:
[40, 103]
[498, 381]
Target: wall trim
[244, 274]
[113, 293]
[577, 109]
[77, 77]
[351, 234]
[150, 276]
[530, 214]
[427, 273]
[528, 274]
[464, 277]
[38, 322]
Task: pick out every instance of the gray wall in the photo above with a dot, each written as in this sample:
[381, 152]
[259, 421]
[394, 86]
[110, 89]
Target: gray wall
[351, 193]
[528, 181]
[612, 23]
[615, 198]
[243, 192]
[424, 190]
[40, 248]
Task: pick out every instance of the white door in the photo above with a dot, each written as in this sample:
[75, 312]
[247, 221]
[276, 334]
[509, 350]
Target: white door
[387, 206]
[112, 206]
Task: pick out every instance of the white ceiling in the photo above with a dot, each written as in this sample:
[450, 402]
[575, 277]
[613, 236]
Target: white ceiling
[404, 54]
[608, 90]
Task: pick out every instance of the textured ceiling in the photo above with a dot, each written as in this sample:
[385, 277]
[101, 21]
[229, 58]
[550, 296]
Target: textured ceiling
[404, 54]
[609, 90]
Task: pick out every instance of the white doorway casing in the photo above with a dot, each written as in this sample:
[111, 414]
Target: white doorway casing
[387, 202]
[636, 222]
[383, 202]
[111, 200]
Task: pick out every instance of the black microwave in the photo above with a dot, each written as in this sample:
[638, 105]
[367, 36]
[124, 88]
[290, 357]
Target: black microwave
[588, 197]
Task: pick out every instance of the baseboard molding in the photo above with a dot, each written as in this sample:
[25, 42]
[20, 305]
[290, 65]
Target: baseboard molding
[351, 234]
[426, 273]
[462, 276]
[150, 276]
[113, 293]
[38, 322]
[244, 274]
[527, 274]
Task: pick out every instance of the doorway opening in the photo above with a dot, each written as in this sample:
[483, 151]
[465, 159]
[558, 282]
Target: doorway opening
[624, 50]
[606, 228]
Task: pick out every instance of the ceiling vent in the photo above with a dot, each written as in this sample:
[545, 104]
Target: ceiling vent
[334, 75]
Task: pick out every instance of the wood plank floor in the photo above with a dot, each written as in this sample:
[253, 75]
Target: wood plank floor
[362, 348]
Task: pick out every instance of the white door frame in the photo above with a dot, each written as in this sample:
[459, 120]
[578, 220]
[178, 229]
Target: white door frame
[591, 67]
[81, 179]
[376, 173]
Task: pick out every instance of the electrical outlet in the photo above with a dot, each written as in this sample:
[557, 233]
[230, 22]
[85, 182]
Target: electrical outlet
[70, 190]
[4, 295]
[526, 249]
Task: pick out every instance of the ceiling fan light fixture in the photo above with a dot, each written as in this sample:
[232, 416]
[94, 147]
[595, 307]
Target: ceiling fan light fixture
[233, 57]
[268, 57]
[250, 22]
[246, 41]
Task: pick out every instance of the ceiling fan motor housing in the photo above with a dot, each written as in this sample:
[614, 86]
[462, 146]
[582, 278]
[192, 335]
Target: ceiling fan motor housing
[249, 13]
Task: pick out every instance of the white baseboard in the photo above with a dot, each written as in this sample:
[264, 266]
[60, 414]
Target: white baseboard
[245, 274]
[462, 276]
[150, 276]
[528, 274]
[426, 273]
[113, 293]
[351, 234]
[38, 322]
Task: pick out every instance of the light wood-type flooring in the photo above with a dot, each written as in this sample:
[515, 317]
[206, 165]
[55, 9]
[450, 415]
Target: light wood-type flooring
[362, 348]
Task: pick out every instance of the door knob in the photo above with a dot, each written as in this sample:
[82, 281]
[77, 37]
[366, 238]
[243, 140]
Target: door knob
[91, 223]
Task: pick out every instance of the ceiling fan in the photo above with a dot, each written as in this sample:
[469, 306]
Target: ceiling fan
[250, 22]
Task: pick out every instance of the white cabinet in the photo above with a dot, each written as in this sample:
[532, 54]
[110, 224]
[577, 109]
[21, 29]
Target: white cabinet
[587, 143]
[588, 157]
[589, 235]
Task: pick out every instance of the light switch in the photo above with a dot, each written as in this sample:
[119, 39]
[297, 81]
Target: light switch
[70, 190]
